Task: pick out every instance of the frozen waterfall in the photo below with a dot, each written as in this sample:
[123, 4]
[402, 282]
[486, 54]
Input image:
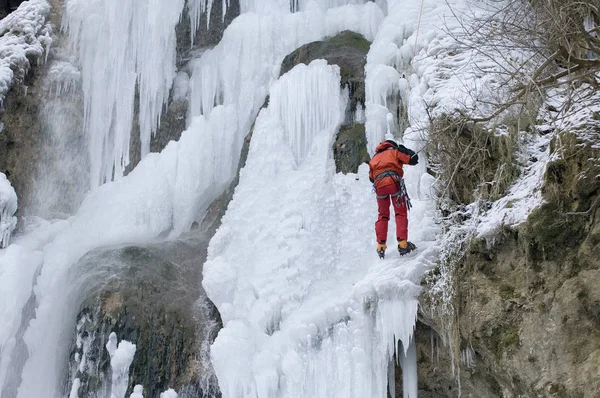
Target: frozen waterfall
[123, 47]
[308, 309]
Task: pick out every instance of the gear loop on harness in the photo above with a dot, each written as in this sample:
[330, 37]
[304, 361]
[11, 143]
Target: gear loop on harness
[402, 194]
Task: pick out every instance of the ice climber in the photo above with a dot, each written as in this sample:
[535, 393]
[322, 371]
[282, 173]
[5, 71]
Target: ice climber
[385, 172]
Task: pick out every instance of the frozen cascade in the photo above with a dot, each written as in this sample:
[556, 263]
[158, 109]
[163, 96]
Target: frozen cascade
[239, 70]
[301, 101]
[128, 43]
[295, 316]
[173, 195]
[276, 312]
[321, 299]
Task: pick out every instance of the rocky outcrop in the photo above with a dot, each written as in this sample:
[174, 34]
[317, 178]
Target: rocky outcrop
[528, 304]
[350, 148]
[24, 38]
[8, 6]
[150, 296]
[349, 51]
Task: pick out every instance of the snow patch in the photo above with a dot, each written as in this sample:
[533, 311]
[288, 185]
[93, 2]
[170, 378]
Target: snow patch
[525, 194]
[170, 393]
[138, 392]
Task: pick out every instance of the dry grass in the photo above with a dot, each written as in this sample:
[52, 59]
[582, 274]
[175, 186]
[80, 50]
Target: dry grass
[536, 45]
[470, 161]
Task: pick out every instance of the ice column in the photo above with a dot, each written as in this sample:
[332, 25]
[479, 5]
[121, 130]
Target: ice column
[121, 356]
[198, 7]
[300, 99]
[122, 46]
[8, 207]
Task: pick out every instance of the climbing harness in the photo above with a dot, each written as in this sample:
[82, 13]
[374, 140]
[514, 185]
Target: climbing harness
[402, 194]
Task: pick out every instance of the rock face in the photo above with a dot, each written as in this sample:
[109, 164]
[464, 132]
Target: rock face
[349, 51]
[152, 298]
[24, 37]
[8, 6]
[528, 321]
[350, 148]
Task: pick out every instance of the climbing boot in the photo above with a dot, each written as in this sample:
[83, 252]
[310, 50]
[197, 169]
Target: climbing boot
[405, 247]
[381, 249]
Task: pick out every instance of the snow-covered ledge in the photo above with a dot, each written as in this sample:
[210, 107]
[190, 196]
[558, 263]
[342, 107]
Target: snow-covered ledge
[8, 208]
[25, 35]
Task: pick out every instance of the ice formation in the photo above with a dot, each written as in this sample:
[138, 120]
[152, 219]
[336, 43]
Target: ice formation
[315, 317]
[121, 357]
[122, 46]
[137, 392]
[24, 34]
[8, 208]
[308, 308]
[170, 393]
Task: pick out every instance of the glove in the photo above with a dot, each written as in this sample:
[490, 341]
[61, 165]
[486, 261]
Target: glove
[414, 159]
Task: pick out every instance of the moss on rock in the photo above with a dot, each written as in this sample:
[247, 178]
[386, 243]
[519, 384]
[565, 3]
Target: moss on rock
[350, 148]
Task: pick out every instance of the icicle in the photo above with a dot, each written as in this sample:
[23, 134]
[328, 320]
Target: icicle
[392, 378]
[122, 47]
[195, 9]
[302, 100]
[409, 370]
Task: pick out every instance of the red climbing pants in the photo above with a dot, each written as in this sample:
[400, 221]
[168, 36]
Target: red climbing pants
[383, 204]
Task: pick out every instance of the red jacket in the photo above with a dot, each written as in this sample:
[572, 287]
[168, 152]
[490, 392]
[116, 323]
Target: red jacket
[390, 157]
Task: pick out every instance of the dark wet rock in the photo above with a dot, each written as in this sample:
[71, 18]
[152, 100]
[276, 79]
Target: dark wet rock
[20, 134]
[152, 297]
[28, 149]
[8, 6]
[350, 148]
